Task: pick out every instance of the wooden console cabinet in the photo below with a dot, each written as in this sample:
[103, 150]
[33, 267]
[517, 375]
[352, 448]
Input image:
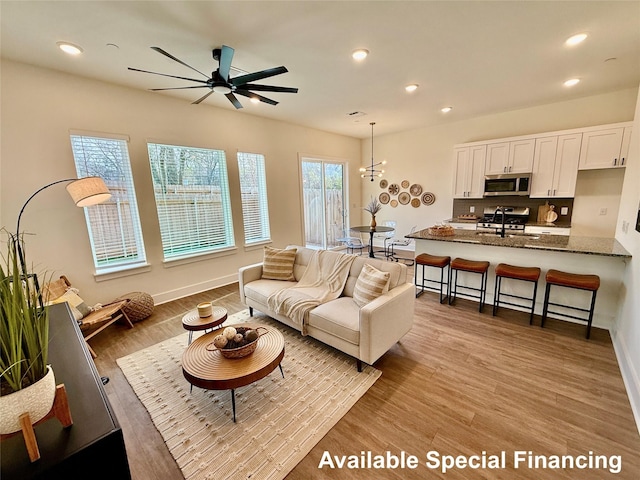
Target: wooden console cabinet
[93, 447]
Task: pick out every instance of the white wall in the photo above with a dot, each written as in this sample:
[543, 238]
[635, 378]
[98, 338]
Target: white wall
[39, 107]
[626, 332]
[424, 156]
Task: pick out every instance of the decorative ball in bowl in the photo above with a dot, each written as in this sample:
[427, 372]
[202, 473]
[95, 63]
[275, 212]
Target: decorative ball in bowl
[236, 342]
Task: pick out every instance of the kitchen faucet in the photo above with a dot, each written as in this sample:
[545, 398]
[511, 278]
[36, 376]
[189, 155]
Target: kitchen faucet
[500, 209]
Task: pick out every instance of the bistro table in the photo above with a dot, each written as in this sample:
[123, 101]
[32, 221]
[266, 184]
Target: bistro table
[371, 231]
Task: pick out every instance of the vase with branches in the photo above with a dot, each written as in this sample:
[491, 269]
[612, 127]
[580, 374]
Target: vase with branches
[373, 207]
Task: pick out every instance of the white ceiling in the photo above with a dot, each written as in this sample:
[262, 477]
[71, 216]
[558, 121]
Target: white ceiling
[479, 57]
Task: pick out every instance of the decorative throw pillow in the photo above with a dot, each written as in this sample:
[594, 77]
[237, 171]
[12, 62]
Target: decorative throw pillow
[75, 302]
[278, 264]
[370, 285]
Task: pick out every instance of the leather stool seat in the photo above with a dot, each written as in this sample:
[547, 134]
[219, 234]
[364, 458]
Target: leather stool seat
[527, 274]
[470, 265]
[531, 274]
[574, 280]
[473, 266]
[432, 260]
[588, 282]
[436, 261]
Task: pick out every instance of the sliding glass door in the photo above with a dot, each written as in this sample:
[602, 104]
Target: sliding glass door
[325, 201]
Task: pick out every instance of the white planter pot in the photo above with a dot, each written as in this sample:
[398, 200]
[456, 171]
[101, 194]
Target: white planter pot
[36, 400]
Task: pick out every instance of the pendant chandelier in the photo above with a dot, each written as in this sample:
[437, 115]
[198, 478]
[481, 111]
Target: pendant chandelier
[372, 171]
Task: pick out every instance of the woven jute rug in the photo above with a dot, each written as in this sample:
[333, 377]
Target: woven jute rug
[279, 420]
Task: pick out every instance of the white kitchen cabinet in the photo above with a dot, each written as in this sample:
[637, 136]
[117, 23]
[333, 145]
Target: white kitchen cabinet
[555, 166]
[510, 157]
[550, 230]
[606, 148]
[468, 177]
[463, 225]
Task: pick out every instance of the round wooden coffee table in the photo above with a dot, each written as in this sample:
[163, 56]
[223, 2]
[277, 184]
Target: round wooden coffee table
[194, 322]
[211, 371]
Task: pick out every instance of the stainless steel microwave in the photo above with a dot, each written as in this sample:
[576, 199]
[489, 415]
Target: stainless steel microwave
[507, 184]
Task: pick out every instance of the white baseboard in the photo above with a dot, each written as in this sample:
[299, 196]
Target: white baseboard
[192, 289]
[629, 375]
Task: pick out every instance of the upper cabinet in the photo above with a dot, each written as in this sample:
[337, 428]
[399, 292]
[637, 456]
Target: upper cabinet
[468, 177]
[605, 148]
[555, 166]
[510, 157]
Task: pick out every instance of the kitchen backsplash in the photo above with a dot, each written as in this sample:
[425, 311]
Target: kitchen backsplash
[462, 206]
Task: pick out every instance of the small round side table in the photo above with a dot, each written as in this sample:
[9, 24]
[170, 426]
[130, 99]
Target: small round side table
[193, 322]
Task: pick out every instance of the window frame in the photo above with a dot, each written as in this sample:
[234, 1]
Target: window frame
[95, 214]
[261, 217]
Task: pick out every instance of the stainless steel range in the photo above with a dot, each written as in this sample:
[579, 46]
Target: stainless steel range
[501, 219]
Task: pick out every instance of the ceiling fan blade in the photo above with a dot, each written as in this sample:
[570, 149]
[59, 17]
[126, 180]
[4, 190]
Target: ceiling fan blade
[246, 93]
[250, 77]
[167, 54]
[171, 76]
[202, 98]
[178, 88]
[232, 98]
[226, 55]
[268, 88]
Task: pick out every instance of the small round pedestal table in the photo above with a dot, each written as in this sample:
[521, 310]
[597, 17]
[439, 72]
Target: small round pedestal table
[195, 323]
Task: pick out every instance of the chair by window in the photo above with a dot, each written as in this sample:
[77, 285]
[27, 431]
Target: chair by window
[351, 242]
[387, 236]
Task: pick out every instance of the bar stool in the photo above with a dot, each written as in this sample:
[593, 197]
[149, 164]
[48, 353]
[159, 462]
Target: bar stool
[471, 266]
[571, 280]
[527, 274]
[426, 260]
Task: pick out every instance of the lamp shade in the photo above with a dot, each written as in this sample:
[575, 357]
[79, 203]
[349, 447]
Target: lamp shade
[88, 191]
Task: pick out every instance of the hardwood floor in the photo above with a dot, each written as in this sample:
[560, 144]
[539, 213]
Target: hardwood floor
[460, 383]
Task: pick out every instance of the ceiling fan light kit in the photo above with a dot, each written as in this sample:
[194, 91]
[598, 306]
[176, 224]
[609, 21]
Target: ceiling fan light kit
[220, 80]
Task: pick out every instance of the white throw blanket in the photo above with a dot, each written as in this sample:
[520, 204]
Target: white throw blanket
[322, 281]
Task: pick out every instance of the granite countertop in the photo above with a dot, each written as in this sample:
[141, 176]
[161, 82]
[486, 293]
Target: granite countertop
[562, 243]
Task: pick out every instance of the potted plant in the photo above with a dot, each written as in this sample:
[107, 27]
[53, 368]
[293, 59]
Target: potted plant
[373, 207]
[27, 383]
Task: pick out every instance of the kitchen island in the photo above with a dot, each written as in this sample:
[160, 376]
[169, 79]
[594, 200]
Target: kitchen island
[587, 255]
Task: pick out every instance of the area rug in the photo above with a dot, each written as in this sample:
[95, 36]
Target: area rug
[279, 420]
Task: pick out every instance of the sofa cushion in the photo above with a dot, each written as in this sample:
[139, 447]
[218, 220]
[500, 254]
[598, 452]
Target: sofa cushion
[260, 290]
[339, 317]
[370, 285]
[397, 273]
[278, 264]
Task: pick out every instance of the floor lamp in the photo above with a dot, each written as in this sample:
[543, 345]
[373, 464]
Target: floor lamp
[85, 192]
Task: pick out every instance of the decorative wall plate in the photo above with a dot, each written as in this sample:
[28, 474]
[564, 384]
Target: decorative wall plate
[394, 189]
[404, 198]
[383, 183]
[428, 198]
[405, 184]
[384, 198]
[394, 203]
[415, 190]
[415, 202]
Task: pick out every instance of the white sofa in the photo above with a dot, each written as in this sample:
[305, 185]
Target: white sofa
[365, 333]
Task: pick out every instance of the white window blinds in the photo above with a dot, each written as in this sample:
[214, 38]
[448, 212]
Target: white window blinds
[192, 199]
[114, 226]
[253, 189]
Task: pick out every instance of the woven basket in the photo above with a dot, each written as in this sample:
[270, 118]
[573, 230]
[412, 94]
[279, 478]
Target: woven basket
[139, 307]
[239, 352]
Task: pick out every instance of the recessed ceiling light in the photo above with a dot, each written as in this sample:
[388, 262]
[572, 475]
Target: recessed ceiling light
[254, 100]
[446, 109]
[360, 54]
[69, 48]
[576, 39]
[571, 82]
[411, 88]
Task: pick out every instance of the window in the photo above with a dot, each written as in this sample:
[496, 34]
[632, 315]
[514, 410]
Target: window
[114, 226]
[253, 189]
[192, 198]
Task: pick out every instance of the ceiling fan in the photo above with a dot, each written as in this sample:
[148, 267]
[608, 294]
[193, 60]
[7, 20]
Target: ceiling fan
[220, 81]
